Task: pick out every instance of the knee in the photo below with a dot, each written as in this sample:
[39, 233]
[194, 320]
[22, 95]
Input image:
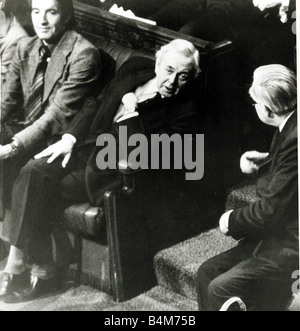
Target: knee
[33, 169]
[205, 270]
[34, 166]
[213, 289]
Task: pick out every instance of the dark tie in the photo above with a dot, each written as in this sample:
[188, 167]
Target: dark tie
[35, 100]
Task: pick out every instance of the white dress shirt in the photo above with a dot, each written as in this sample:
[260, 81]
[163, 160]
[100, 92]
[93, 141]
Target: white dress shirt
[130, 101]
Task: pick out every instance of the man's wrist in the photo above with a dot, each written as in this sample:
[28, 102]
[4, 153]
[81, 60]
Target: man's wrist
[69, 137]
[14, 148]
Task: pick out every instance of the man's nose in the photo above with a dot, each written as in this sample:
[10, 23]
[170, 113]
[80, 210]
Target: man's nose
[43, 18]
[172, 79]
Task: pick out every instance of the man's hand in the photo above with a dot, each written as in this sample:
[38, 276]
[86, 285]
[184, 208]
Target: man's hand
[250, 161]
[5, 152]
[130, 103]
[64, 148]
[265, 4]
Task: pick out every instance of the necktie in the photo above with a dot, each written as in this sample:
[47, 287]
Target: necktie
[35, 100]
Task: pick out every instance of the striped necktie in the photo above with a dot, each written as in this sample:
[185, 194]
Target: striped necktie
[34, 104]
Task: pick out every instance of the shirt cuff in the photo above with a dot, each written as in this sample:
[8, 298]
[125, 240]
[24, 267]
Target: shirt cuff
[70, 137]
[224, 222]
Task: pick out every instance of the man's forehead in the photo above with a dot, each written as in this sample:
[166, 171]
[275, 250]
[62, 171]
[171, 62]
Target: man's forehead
[176, 59]
[45, 4]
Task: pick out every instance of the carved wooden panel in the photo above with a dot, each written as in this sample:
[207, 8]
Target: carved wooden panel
[95, 22]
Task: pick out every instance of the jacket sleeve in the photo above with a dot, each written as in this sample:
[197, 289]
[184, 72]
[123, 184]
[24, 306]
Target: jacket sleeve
[12, 100]
[278, 203]
[83, 79]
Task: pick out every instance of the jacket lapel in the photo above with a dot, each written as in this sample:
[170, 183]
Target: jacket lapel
[58, 62]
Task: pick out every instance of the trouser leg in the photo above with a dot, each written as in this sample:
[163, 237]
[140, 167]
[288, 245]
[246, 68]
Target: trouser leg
[216, 266]
[35, 205]
[259, 283]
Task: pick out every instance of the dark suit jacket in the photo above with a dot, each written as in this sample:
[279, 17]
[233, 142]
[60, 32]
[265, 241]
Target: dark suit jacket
[175, 115]
[73, 74]
[274, 219]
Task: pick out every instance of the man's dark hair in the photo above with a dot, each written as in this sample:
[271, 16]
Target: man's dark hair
[68, 10]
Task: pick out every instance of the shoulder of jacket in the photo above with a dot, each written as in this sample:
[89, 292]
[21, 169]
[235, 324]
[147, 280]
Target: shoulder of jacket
[27, 43]
[81, 42]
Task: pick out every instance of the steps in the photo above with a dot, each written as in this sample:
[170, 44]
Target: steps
[157, 299]
[176, 267]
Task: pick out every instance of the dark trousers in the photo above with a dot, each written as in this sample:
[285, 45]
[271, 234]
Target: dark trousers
[40, 194]
[261, 284]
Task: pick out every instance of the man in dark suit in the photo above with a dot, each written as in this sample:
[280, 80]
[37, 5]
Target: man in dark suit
[50, 77]
[161, 93]
[259, 270]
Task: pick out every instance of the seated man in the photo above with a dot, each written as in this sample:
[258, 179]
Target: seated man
[49, 78]
[259, 270]
[163, 94]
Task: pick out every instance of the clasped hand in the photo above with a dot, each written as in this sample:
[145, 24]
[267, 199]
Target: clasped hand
[250, 161]
[63, 148]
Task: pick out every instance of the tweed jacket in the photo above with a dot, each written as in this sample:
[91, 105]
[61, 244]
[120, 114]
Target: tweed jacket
[73, 74]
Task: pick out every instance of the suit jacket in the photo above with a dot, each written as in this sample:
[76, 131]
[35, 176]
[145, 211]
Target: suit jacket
[274, 219]
[72, 75]
[176, 115]
[8, 44]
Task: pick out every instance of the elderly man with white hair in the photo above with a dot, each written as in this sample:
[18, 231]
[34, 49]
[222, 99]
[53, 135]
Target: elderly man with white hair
[160, 97]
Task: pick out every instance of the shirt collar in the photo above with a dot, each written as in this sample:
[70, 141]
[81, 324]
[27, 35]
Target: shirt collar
[282, 125]
[151, 87]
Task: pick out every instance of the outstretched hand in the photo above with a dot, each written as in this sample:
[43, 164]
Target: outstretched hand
[250, 161]
[63, 148]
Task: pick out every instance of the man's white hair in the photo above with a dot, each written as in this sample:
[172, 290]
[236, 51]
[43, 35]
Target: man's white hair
[183, 47]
